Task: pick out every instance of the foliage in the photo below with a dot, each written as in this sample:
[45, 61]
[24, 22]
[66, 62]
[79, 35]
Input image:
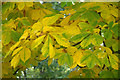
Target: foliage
[83, 35]
[43, 70]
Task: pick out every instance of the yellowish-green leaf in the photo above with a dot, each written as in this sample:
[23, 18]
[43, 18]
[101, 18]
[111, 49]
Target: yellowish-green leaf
[6, 37]
[25, 54]
[90, 59]
[50, 61]
[61, 40]
[45, 48]
[87, 41]
[71, 50]
[50, 20]
[37, 42]
[25, 35]
[115, 46]
[114, 61]
[29, 4]
[16, 51]
[21, 5]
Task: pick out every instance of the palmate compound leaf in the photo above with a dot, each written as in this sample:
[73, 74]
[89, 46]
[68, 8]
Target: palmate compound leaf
[90, 59]
[48, 48]
[37, 42]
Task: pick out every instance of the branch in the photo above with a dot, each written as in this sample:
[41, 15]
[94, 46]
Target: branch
[16, 71]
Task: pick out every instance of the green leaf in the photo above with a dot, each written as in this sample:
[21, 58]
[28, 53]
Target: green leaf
[65, 58]
[91, 16]
[68, 59]
[69, 3]
[25, 22]
[75, 16]
[107, 33]
[109, 74]
[79, 37]
[97, 39]
[94, 8]
[19, 24]
[6, 37]
[115, 30]
[110, 24]
[109, 42]
[63, 4]
[15, 35]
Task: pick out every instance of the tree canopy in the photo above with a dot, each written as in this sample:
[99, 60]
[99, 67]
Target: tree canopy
[84, 36]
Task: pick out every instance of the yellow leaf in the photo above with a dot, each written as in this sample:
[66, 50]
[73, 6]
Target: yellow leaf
[29, 4]
[41, 57]
[25, 54]
[51, 50]
[35, 14]
[73, 65]
[48, 28]
[50, 20]
[25, 35]
[47, 11]
[65, 21]
[71, 11]
[21, 5]
[16, 51]
[36, 27]
[14, 46]
[37, 42]
[108, 50]
[15, 60]
[71, 30]
[77, 57]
